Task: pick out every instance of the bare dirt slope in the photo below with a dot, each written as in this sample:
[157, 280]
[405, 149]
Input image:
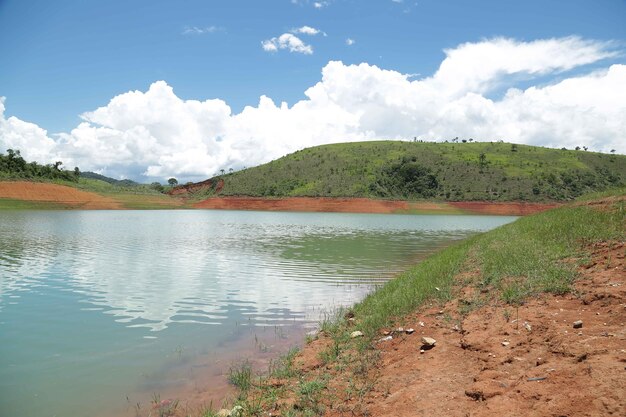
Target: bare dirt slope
[366, 205]
[499, 360]
[53, 193]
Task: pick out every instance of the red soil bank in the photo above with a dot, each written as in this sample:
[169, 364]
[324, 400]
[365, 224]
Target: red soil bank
[53, 193]
[365, 205]
[510, 208]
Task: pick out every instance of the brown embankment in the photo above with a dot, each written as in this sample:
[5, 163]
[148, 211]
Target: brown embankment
[185, 189]
[514, 208]
[498, 360]
[365, 205]
[57, 194]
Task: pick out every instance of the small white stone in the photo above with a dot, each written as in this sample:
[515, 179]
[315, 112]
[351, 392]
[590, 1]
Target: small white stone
[356, 334]
[505, 343]
[428, 341]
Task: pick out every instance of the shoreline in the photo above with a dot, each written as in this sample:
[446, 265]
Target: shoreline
[498, 349]
[41, 195]
[366, 205]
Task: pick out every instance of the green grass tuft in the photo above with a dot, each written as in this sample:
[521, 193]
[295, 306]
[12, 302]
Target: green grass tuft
[515, 261]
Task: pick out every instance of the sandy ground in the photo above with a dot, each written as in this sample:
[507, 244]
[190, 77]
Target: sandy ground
[365, 205]
[53, 193]
[500, 361]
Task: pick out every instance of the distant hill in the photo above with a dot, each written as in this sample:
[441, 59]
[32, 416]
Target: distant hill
[112, 181]
[478, 171]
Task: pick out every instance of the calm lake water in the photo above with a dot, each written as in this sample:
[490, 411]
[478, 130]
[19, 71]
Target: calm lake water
[99, 310]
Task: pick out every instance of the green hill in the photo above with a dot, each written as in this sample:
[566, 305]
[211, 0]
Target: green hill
[112, 181]
[418, 170]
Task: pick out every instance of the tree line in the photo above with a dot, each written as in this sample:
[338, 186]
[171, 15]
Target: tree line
[14, 166]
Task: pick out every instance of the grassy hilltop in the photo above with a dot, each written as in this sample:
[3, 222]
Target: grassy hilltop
[417, 170]
[393, 170]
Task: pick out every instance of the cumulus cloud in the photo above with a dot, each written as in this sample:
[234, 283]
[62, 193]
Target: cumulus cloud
[479, 67]
[289, 42]
[156, 134]
[307, 30]
[31, 140]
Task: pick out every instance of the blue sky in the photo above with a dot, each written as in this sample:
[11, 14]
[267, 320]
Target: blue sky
[61, 60]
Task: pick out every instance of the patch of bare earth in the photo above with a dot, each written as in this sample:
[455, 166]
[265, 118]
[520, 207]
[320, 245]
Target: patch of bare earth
[54, 193]
[496, 360]
[367, 205]
[514, 208]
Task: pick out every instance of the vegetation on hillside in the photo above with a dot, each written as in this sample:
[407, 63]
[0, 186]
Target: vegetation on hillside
[418, 170]
[112, 181]
[128, 194]
[14, 166]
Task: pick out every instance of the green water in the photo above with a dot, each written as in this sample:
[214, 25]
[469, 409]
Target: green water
[99, 309]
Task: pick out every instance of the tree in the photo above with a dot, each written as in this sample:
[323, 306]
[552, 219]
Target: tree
[577, 148]
[612, 150]
[585, 148]
[230, 170]
[76, 172]
[172, 181]
[513, 147]
[157, 186]
[482, 162]
[222, 171]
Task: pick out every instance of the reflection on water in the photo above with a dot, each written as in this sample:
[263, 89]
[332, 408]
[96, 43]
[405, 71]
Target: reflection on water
[93, 304]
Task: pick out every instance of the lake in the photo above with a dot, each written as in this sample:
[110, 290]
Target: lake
[103, 311]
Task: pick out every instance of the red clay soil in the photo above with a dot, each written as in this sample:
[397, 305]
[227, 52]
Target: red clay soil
[365, 205]
[509, 208]
[499, 361]
[185, 189]
[53, 193]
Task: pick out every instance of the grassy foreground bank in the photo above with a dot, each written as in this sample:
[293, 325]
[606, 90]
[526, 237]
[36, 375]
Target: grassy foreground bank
[534, 255]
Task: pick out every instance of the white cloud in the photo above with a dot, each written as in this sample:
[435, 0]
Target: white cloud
[350, 42]
[320, 4]
[289, 42]
[307, 30]
[194, 30]
[31, 140]
[482, 66]
[156, 134]
[316, 4]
